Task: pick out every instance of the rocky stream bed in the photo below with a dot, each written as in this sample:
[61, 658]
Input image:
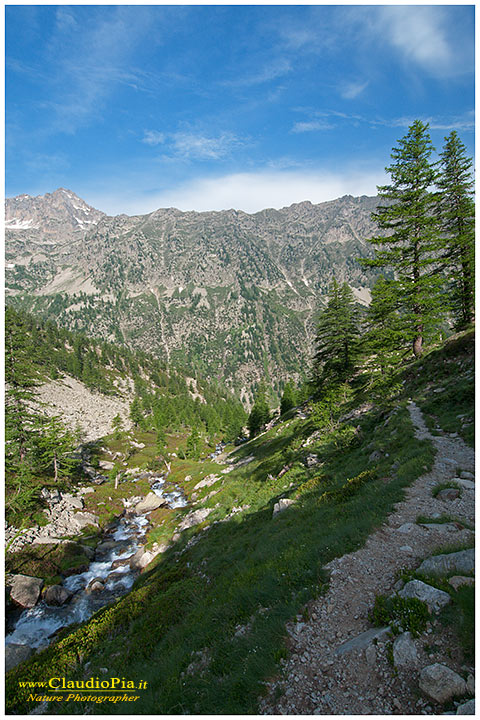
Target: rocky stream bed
[35, 617]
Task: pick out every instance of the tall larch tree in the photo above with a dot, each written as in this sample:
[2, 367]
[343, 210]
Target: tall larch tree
[456, 210]
[410, 246]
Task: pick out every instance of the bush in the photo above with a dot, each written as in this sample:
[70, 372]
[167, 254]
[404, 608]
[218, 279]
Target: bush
[401, 614]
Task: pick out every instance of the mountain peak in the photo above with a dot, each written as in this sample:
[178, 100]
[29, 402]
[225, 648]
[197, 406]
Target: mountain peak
[49, 213]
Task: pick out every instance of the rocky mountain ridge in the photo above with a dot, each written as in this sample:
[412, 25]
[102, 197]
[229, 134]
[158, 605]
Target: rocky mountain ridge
[230, 292]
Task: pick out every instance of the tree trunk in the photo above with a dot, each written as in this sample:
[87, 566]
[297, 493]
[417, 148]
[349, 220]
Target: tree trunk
[417, 344]
[55, 466]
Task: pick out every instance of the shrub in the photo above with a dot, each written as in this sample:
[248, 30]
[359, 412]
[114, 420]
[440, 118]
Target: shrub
[400, 613]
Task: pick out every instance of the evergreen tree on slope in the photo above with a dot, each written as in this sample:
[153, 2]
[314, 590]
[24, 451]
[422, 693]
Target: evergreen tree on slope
[410, 249]
[337, 336]
[456, 210]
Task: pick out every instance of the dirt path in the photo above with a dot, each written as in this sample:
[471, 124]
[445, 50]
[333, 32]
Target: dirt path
[321, 675]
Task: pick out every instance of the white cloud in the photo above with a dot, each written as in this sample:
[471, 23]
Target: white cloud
[271, 71]
[199, 147]
[249, 192]
[311, 125]
[353, 90]
[153, 137]
[193, 146]
[418, 32]
[426, 35]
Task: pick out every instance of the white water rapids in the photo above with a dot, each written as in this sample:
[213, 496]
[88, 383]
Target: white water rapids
[36, 625]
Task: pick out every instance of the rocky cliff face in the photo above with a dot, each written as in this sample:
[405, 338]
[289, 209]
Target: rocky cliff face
[227, 293]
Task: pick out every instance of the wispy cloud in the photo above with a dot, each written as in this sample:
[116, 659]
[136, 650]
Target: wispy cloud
[329, 119]
[194, 146]
[199, 147]
[153, 137]
[467, 122]
[352, 90]
[83, 64]
[419, 33]
[311, 125]
[426, 36]
[271, 71]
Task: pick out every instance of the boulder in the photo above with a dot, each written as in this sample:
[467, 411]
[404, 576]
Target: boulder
[81, 519]
[375, 456]
[25, 590]
[106, 464]
[194, 518]
[470, 684]
[448, 494]
[440, 683]
[312, 460]
[407, 527]
[458, 562]
[95, 585]
[404, 650]
[149, 503]
[104, 548]
[56, 595]
[467, 708]
[115, 576]
[16, 654]
[121, 562]
[134, 560]
[281, 505]
[458, 580]
[435, 599]
[147, 558]
[467, 475]
[206, 482]
[73, 502]
[465, 484]
[362, 641]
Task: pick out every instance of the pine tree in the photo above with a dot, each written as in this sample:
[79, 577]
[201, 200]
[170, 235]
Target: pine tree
[194, 444]
[385, 326]
[136, 411]
[20, 381]
[54, 447]
[260, 413]
[117, 426]
[410, 249]
[337, 336]
[456, 210]
[289, 397]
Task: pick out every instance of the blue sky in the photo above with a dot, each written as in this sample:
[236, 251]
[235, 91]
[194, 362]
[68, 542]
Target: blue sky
[212, 107]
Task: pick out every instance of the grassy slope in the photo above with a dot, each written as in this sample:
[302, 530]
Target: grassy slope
[205, 626]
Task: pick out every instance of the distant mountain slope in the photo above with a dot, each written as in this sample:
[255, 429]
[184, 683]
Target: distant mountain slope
[227, 293]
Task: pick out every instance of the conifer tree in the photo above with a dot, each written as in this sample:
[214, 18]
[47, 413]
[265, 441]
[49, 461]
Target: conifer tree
[136, 411]
[410, 247]
[385, 326]
[194, 444]
[20, 381]
[54, 447]
[260, 413]
[456, 210]
[337, 336]
[289, 399]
